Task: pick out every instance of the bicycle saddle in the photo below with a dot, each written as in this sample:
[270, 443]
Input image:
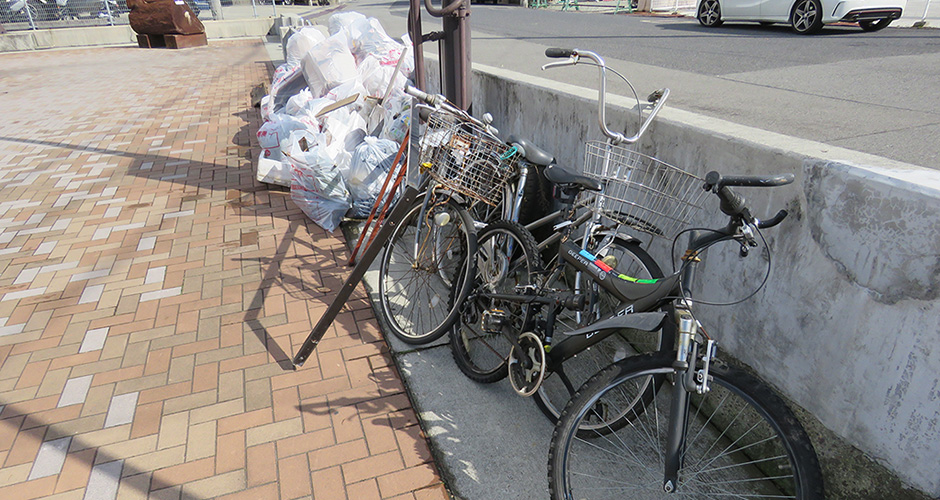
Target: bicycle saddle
[558, 175]
[532, 152]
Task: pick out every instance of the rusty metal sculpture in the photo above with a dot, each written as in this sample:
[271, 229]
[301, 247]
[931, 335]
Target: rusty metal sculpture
[165, 23]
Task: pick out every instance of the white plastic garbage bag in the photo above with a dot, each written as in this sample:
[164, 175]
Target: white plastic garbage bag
[369, 167]
[301, 42]
[397, 116]
[267, 107]
[275, 131]
[298, 102]
[328, 64]
[342, 20]
[318, 188]
[288, 81]
[367, 37]
[345, 129]
[273, 168]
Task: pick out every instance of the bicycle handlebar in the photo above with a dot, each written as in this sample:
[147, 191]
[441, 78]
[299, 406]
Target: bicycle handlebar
[438, 101]
[732, 204]
[574, 56]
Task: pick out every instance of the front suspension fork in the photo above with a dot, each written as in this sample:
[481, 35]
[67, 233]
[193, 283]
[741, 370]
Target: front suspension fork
[687, 380]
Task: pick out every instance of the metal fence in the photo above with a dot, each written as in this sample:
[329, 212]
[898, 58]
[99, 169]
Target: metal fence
[44, 14]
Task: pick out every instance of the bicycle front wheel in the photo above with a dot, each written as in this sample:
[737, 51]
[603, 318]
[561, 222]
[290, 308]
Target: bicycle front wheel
[740, 439]
[423, 270]
[628, 258]
[506, 258]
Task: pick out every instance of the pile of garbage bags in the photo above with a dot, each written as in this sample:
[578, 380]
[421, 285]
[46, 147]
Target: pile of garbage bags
[335, 116]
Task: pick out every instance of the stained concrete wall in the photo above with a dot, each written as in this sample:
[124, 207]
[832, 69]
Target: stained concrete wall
[847, 324]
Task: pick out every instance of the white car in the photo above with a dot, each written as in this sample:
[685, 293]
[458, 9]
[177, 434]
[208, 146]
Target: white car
[806, 16]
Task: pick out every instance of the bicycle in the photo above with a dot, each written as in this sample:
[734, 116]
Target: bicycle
[480, 179]
[687, 423]
[507, 261]
[425, 260]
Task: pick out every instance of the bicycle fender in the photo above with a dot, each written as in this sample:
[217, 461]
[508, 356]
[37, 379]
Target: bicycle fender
[646, 321]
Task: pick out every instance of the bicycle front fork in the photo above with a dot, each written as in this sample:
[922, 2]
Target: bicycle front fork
[687, 380]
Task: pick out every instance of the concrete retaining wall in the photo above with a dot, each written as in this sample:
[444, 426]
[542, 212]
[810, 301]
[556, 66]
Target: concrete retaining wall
[121, 35]
[847, 324]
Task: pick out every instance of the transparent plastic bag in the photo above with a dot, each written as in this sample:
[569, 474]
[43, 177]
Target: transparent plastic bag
[318, 189]
[369, 167]
[342, 21]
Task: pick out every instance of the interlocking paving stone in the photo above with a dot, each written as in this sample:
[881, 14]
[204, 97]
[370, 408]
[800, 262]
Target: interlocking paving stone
[104, 480]
[94, 339]
[75, 391]
[121, 409]
[91, 294]
[50, 459]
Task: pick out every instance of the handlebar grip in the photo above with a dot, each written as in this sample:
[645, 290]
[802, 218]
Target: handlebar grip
[776, 219]
[558, 53]
[418, 94]
[714, 180]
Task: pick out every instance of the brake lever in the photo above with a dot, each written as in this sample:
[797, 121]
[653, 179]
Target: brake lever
[558, 64]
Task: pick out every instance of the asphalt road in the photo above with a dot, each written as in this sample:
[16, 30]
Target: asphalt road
[878, 93]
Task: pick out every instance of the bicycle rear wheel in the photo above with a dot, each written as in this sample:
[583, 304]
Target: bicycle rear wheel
[740, 440]
[506, 258]
[423, 269]
[628, 258]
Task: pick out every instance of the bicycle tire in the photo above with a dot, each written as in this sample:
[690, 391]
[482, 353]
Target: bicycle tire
[482, 356]
[763, 449]
[422, 269]
[553, 395]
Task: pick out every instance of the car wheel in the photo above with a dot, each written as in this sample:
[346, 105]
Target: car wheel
[806, 17]
[709, 13]
[878, 24]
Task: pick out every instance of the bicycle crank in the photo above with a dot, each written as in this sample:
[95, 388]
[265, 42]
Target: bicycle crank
[527, 368]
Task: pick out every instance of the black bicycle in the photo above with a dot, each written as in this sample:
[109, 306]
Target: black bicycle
[621, 193]
[682, 422]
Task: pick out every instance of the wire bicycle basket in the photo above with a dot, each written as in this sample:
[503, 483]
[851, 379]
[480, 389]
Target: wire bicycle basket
[642, 192]
[465, 158]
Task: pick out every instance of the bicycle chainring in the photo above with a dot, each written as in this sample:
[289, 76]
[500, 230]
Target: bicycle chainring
[527, 368]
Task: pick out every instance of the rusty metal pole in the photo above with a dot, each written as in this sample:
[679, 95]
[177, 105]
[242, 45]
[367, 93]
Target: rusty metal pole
[417, 38]
[456, 52]
[455, 40]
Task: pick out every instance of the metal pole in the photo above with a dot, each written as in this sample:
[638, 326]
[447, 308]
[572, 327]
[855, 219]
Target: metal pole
[254, 9]
[455, 51]
[274, 6]
[417, 39]
[107, 8]
[29, 14]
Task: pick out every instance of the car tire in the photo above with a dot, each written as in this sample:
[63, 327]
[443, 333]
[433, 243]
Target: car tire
[876, 25]
[806, 17]
[709, 13]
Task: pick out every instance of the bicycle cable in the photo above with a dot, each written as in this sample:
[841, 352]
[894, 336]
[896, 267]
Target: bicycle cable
[703, 249]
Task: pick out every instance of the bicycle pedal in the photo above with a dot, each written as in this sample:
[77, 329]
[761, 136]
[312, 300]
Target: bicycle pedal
[493, 320]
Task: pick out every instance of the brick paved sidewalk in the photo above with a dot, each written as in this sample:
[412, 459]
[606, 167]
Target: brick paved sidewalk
[152, 293]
